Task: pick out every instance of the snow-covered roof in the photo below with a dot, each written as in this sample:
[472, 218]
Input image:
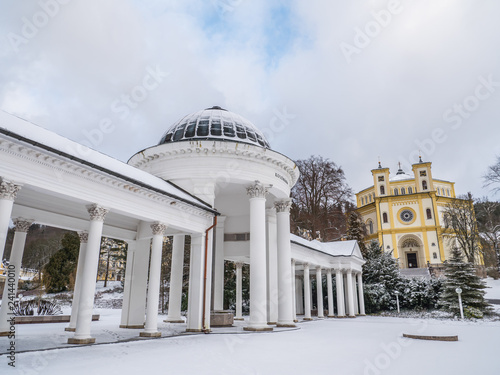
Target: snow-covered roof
[401, 177]
[334, 248]
[26, 131]
[215, 123]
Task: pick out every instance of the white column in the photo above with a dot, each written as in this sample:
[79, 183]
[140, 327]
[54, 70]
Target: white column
[350, 293]
[319, 292]
[307, 293]
[151, 326]
[136, 284]
[355, 294]
[239, 291]
[339, 283]
[87, 291]
[294, 292]
[176, 273]
[258, 264]
[8, 192]
[299, 290]
[13, 271]
[272, 267]
[84, 236]
[208, 281]
[329, 289]
[361, 295]
[285, 276]
[219, 265]
[195, 292]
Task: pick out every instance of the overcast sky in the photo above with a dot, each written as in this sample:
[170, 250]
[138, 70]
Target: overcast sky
[351, 81]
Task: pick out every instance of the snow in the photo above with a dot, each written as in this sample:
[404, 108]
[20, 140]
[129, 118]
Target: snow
[370, 345]
[493, 290]
[45, 137]
[365, 345]
[335, 248]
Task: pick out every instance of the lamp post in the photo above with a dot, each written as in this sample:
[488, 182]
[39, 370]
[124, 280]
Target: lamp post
[397, 299]
[459, 292]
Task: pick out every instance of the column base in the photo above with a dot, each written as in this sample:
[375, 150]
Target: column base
[174, 321]
[341, 316]
[352, 316]
[239, 319]
[138, 326]
[295, 320]
[331, 316]
[307, 319]
[286, 325]
[69, 329]
[90, 340]
[150, 334]
[258, 329]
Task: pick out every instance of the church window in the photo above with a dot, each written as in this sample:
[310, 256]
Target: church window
[434, 255]
[429, 213]
[381, 178]
[403, 191]
[396, 191]
[382, 190]
[424, 185]
[448, 192]
[384, 217]
[410, 190]
[423, 173]
[370, 198]
[370, 226]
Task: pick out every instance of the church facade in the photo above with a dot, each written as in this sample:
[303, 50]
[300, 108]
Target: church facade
[404, 213]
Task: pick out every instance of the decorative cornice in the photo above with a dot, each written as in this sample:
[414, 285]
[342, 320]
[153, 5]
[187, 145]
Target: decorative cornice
[61, 167]
[84, 236]
[283, 205]
[22, 225]
[96, 212]
[257, 190]
[8, 190]
[158, 229]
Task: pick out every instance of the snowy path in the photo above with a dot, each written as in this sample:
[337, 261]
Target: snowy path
[365, 345]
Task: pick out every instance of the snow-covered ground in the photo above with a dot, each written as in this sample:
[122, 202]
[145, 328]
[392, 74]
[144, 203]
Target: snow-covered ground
[493, 292]
[365, 345]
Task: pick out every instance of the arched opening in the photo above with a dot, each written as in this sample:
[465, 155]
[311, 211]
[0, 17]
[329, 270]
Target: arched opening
[382, 190]
[411, 252]
[424, 185]
[384, 217]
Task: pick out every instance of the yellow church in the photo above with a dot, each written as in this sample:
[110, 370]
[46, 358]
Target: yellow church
[404, 212]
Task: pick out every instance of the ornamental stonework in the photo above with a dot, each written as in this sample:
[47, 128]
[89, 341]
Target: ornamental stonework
[238, 265]
[84, 236]
[158, 229]
[257, 190]
[283, 205]
[96, 212]
[8, 190]
[22, 225]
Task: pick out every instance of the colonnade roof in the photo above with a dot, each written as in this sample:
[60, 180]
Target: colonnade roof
[37, 136]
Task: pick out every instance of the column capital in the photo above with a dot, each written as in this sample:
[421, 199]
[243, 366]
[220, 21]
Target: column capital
[305, 265]
[283, 205]
[329, 271]
[158, 228]
[84, 236]
[96, 212]
[8, 190]
[22, 225]
[238, 264]
[318, 268]
[257, 190]
[293, 262]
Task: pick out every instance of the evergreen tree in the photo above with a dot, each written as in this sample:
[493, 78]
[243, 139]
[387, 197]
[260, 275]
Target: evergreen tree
[381, 278]
[60, 271]
[356, 230]
[462, 274]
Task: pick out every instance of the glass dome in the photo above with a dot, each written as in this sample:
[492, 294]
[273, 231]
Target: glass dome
[214, 123]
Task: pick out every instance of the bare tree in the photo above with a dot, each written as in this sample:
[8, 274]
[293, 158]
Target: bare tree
[460, 221]
[492, 177]
[488, 219]
[321, 198]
